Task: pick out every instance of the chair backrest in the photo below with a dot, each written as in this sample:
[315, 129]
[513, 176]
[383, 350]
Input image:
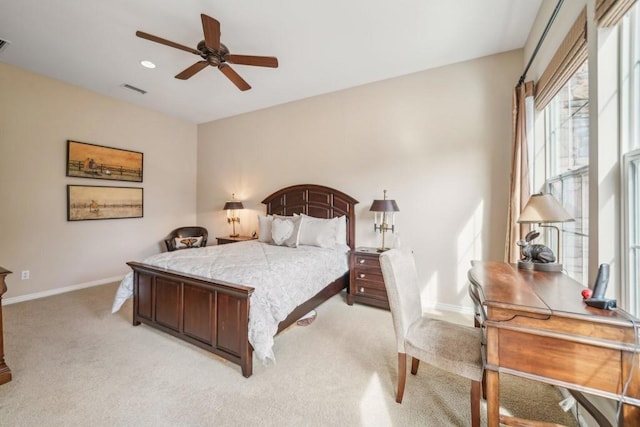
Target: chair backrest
[402, 283]
[182, 232]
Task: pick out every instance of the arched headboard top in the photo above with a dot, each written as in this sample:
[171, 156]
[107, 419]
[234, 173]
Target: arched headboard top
[314, 200]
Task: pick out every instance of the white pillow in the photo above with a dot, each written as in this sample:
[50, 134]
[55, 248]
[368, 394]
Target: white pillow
[340, 230]
[264, 228]
[187, 242]
[318, 232]
[285, 231]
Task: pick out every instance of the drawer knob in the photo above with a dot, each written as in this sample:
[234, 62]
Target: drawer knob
[362, 275]
[362, 290]
[361, 261]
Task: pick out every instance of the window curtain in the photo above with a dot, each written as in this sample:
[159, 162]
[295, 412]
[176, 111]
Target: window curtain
[610, 12]
[570, 55]
[519, 190]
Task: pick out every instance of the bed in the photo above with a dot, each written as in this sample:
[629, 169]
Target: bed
[214, 314]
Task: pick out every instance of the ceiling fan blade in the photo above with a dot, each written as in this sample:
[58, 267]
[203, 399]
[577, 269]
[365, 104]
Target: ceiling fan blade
[211, 29]
[187, 73]
[234, 77]
[260, 61]
[156, 39]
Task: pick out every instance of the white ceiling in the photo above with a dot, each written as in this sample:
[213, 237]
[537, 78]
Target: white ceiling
[322, 46]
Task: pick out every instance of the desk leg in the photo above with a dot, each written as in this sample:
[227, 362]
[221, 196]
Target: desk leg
[493, 398]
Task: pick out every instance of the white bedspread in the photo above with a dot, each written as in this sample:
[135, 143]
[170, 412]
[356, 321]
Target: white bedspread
[283, 278]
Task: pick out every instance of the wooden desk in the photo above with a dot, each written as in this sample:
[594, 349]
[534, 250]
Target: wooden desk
[538, 327]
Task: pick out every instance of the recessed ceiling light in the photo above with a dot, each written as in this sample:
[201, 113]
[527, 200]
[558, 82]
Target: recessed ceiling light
[147, 64]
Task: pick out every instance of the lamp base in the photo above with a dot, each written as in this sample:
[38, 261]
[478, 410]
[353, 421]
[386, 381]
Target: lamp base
[539, 266]
[234, 235]
[382, 249]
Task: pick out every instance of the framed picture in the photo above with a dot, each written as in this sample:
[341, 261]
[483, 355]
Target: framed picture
[96, 202]
[96, 161]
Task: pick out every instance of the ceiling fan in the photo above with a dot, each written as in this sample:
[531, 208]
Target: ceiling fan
[215, 54]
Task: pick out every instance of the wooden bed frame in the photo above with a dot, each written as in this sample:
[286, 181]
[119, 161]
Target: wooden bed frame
[213, 314]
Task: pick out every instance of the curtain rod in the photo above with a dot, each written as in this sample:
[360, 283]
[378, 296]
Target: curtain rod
[544, 34]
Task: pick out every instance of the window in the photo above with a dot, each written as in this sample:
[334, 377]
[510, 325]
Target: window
[567, 169]
[630, 136]
[632, 225]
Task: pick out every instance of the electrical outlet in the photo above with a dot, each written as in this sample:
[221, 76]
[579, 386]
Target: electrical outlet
[25, 275]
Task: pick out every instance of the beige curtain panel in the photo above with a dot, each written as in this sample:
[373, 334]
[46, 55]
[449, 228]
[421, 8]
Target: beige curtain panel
[519, 190]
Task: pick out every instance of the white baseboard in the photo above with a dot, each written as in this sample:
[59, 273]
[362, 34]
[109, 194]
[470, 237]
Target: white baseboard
[450, 308]
[43, 294]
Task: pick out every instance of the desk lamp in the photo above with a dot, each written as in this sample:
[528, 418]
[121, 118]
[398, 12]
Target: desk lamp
[384, 207]
[544, 209]
[231, 207]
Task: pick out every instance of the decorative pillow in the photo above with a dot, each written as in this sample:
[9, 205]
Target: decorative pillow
[187, 242]
[318, 232]
[285, 231]
[264, 228]
[340, 228]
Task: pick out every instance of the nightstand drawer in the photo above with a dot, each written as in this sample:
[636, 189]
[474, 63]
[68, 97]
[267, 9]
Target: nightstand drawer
[366, 261]
[369, 278]
[368, 291]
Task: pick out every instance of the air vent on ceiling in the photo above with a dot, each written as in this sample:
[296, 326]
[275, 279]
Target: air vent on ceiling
[4, 44]
[137, 89]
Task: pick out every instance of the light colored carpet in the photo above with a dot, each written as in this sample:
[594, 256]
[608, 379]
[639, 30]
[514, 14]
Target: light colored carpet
[76, 364]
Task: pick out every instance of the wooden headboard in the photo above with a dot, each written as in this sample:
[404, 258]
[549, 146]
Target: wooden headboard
[317, 201]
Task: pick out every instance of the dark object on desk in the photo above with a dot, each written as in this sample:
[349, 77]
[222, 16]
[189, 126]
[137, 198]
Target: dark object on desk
[535, 253]
[536, 256]
[598, 300]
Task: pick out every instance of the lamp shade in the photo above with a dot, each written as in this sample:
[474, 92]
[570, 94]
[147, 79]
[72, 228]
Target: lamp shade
[543, 208]
[233, 205]
[384, 206]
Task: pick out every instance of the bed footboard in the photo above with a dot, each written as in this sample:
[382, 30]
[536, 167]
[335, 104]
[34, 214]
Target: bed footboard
[211, 315]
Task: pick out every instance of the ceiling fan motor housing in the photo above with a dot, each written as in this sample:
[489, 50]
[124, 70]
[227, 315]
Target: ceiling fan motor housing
[211, 55]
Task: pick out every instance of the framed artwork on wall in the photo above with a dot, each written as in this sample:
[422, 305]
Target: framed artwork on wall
[86, 202]
[100, 162]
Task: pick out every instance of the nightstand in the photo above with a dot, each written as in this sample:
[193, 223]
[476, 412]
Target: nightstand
[366, 284]
[226, 239]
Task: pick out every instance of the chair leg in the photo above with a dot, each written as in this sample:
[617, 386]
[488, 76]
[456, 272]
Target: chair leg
[414, 365]
[475, 403]
[484, 384]
[402, 375]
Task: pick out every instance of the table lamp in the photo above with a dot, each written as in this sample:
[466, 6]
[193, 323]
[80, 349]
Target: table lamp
[384, 207]
[231, 207]
[544, 209]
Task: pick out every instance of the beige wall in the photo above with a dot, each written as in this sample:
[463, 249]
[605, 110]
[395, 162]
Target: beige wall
[37, 116]
[438, 141]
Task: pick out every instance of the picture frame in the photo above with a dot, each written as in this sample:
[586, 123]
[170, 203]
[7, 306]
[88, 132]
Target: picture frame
[86, 160]
[90, 202]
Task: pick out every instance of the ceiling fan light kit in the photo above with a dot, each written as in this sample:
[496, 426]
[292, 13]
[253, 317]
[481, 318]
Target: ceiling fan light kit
[214, 53]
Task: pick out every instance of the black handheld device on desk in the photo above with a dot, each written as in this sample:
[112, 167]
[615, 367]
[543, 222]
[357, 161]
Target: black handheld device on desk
[598, 300]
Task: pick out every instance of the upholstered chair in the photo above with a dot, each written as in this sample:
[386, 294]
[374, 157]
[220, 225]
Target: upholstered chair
[448, 346]
[183, 233]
